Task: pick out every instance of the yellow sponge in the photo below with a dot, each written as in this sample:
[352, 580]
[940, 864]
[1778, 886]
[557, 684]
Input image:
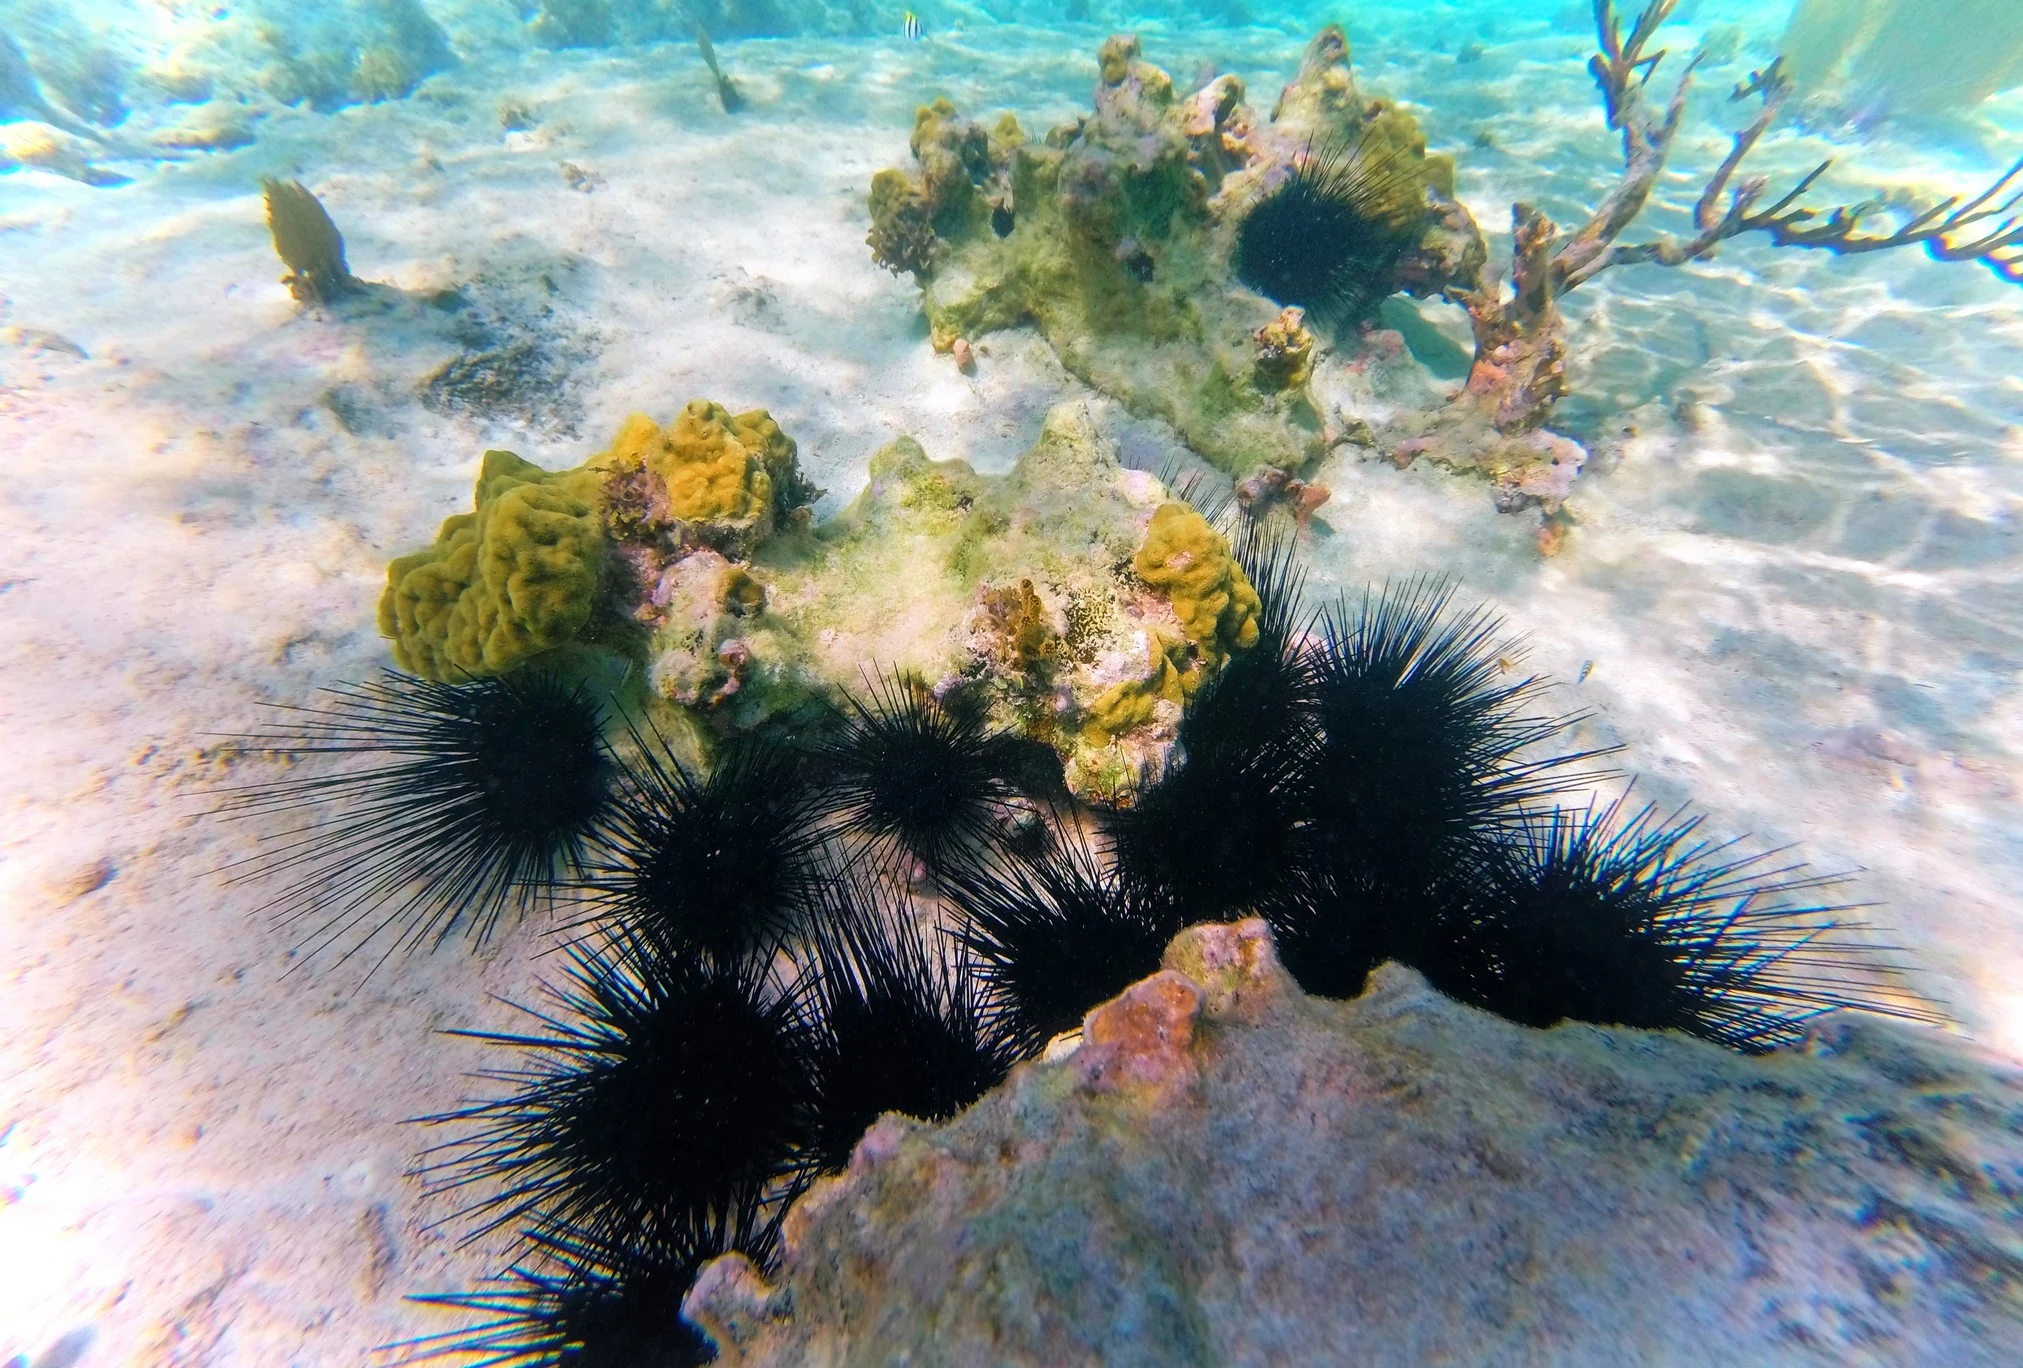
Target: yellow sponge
[1189, 561]
[512, 579]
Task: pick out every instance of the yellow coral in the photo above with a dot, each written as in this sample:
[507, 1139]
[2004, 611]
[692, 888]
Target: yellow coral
[712, 464]
[511, 579]
[1189, 561]
[1135, 702]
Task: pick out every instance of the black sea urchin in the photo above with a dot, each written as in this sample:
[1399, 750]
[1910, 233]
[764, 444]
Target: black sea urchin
[909, 772]
[1054, 934]
[1328, 237]
[661, 1089]
[480, 797]
[721, 865]
[1424, 753]
[891, 1025]
[576, 1303]
[1220, 832]
[1634, 919]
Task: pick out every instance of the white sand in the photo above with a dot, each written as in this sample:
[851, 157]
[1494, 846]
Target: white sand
[1806, 613]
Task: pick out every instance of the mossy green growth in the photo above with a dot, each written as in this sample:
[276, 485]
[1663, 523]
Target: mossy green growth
[1015, 588]
[1113, 237]
[513, 578]
[962, 178]
[1189, 561]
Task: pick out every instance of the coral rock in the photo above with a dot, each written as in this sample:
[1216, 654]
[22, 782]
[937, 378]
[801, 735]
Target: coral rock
[1113, 237]
[1285, 352]
[1014, 590]
[1228, 1172]
[1152, 697]
[958, 159]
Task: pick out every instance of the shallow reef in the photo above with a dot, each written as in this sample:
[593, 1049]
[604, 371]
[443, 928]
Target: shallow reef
[1071, 601]
[1172, 246]
[786, 915]
[1059, 904]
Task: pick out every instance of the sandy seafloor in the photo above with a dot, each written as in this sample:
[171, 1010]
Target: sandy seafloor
[1798, 582]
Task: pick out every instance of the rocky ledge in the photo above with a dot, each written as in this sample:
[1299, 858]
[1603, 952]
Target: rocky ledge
[1226, 1171]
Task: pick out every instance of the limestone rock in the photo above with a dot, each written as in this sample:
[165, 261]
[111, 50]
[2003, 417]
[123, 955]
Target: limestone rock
[1229, 1172]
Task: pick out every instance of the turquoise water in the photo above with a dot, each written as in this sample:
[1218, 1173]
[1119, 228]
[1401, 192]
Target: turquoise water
[1792, 592]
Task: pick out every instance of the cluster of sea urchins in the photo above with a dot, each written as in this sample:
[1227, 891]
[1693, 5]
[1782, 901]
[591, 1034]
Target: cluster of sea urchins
[885, 918]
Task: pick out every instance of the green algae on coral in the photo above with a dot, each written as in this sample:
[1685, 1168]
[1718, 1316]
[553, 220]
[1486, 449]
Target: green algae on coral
[1019, 591]
[961, 183]
[1113, 237]
[513, 578]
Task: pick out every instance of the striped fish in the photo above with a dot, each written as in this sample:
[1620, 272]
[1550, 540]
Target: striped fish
[910, 26]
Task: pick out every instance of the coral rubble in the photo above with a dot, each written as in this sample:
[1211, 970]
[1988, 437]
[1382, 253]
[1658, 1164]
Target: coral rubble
[1228, 1171]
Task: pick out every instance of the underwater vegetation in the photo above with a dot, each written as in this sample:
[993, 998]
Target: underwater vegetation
[308, 243]
[1189, 256]
[726, 89]
[884, 908]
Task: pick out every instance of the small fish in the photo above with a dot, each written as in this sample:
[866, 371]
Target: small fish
[726, 90]
[1587, 667]
[910, 26]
